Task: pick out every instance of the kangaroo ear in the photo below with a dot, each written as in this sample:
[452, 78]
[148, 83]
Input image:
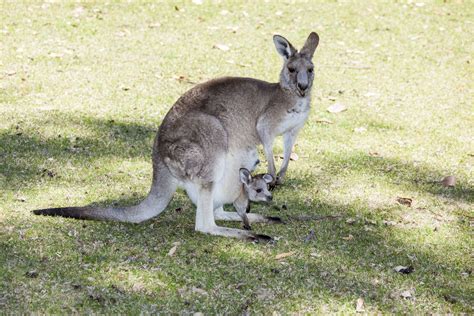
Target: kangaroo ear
[268, 178]
[283, 47]
[245, 176]
[310, 45]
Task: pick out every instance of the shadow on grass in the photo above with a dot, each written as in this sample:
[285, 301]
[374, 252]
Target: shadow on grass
[418, 177]
[233, 273]
[25, 154]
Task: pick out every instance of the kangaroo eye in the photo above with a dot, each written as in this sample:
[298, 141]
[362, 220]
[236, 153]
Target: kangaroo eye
[259, 190]
[291, 69]
[310, 70]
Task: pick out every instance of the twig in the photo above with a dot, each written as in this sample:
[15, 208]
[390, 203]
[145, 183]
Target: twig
[313, 218]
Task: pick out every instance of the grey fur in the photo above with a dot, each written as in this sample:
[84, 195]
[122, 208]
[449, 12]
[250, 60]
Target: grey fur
[206, 135]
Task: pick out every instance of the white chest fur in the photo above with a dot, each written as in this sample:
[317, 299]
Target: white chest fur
[295, 116]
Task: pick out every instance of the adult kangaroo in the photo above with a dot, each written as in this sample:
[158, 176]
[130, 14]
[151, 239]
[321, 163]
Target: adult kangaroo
[210, 130]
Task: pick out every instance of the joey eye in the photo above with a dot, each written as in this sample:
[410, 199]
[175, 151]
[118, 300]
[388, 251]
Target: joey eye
[259, 190]
[291, 69]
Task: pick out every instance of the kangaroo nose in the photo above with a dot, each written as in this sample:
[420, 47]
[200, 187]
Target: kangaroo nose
[257, 162]
[270, 198]
[302, 86]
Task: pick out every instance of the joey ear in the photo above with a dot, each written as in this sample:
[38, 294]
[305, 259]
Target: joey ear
[268, 178]
[283, 47]
[245, 176]
[310, 45]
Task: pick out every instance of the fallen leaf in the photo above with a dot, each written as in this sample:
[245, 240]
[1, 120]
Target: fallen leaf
[173, 249]
[371, 94]
[403, 269]
[32, 274]
[349, 237]
[222, 47]
[21, 199]
[264, 294]
[324, 121]
[449, 181]
[294, 157]
[199, 291]
[360, 129]
[389, 223]
[360, 305]
[350, 221]
[284, 255]
[10, 72]
[374, 154]
[154, 25]
[405, 201]
[406, 294]
[337, 108]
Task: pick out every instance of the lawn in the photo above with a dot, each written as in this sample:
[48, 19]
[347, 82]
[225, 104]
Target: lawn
[84, 87]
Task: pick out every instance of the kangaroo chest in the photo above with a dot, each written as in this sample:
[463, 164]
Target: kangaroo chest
[294, 116]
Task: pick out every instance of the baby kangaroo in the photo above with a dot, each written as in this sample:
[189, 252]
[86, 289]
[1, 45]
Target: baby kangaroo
[255, 189]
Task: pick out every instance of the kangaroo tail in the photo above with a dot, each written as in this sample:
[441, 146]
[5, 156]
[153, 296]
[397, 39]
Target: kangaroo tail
[162, 190]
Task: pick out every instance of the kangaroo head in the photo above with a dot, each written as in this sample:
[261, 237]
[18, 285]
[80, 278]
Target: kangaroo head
[256, 187]
[297, 74]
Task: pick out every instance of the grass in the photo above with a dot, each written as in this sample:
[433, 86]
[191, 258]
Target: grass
[84, 87]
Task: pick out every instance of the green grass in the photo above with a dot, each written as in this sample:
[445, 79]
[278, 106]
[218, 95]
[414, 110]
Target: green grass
[84, 87]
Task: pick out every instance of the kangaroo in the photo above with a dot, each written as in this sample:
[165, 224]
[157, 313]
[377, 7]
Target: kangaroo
[255, 189]
[205, 133]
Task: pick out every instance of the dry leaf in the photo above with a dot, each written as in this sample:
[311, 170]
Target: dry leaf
[449, 181]
[360, 305]
[199, 291]
[350, 221]
[349, 237]
[173, 249]
[360, 129]
[21, 199]
[10, 72]
[403, 269]
[284, 255]
[337, 108]
[374, 154]
[294, 157]
[222, 47]
[154, 25]
[405, 201]
[406, 294]
[324, 121]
